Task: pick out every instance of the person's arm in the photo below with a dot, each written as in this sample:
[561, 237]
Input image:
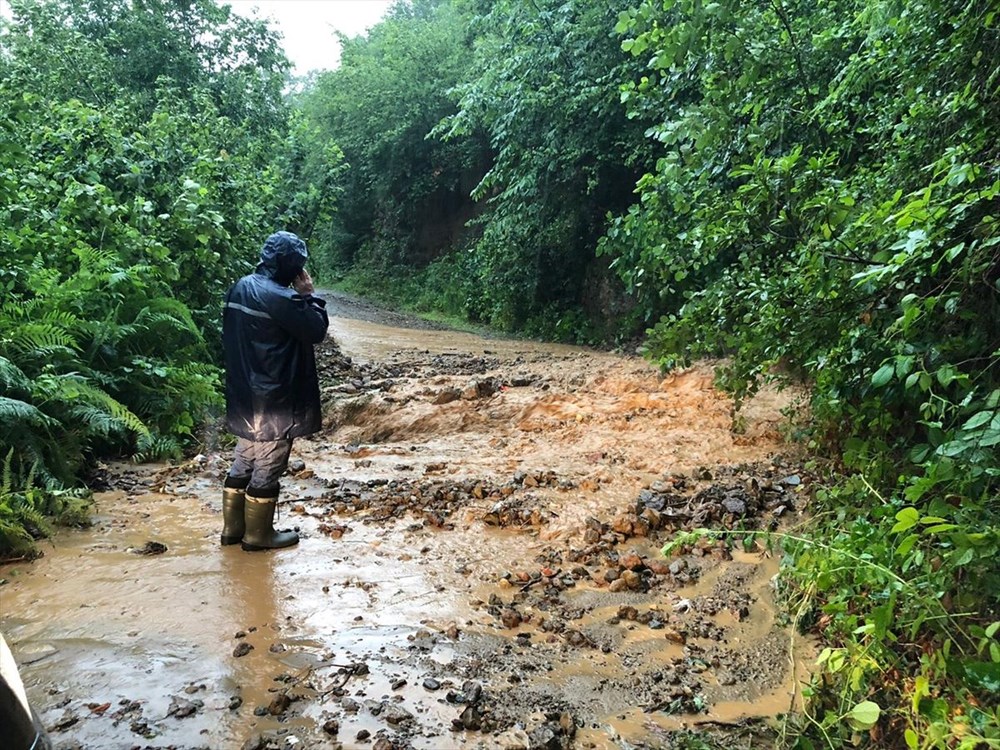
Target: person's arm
[301, 314]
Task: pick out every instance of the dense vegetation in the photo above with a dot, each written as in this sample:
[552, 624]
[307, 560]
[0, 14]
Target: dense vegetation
[809, 190]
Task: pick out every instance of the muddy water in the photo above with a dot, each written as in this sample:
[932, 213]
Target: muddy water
[121, 649]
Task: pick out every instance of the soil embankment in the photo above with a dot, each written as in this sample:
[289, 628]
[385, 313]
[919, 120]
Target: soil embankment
[480, 567]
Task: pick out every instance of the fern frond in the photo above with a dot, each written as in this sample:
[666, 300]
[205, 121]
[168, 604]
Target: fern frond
[12, 378]
[15, 413]
[30, 337]
[72, 386]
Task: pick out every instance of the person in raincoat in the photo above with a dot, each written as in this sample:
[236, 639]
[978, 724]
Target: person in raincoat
[270, 322]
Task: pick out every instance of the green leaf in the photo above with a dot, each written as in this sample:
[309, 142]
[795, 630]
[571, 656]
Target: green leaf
[883, 375]
[978, 420]
[865, 714]
[907, 544]
[905, 519]
[911, 739]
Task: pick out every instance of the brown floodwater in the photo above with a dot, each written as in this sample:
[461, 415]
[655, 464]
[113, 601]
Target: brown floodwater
[114, 644]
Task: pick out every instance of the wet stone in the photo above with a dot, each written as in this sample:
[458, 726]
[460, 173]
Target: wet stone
[254, 742]
[331, 727]
[64, 722]
[431, 684]
[394, 714]
[242, 649]
[235, 702]
[151, 548]
[362, 735]
[279, 705]
[397, 684]
[510, 618]
[181, 708]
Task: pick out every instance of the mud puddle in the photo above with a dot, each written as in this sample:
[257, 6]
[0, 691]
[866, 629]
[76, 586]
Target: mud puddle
[480, 566]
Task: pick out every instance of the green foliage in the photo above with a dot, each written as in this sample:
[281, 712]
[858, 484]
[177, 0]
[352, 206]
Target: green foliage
[136, 181]
[824, 207]
[404, 195]
[563, 152]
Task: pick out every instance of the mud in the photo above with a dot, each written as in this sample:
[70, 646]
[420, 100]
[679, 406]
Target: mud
[480, 567]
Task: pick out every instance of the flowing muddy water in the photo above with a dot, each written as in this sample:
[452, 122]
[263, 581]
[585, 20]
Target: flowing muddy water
[479, 567]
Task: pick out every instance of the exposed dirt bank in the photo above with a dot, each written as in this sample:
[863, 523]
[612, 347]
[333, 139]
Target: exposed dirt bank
[479, 567]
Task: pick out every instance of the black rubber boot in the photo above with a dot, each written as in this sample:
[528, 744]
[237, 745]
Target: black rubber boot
[259, 515]
[233, 500]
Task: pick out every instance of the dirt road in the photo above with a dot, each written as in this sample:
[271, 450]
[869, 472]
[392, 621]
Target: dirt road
[480, 567]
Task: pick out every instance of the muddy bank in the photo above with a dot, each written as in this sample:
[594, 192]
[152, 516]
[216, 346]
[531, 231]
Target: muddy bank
[480, 567]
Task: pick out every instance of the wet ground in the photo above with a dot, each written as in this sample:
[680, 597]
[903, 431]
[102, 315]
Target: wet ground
[480, 567]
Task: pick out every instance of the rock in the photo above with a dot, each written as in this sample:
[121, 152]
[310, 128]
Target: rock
[296, 465]
[447, 396]
[674, 636]
[611, 575]
[618, 585]
[651, 518]
[734, 505]
[254, 742]
[431, 684]
[277, 648]
[384, 743]
[331, 727]
[472, 691]
[350, 705]
[677, 566]
[510, 618]
[632, 579]
[397, 684]
[514, 738]
[627, 613]
[792, 481]
[235, 702]
[279, 704]
[67, 720]
[623, 524]
[181, 707]
[632, 561]
[659, 567]
[242, 649]
[471, 719]
[151, 548]
[545, 737]
[362, 735]
[395, 714]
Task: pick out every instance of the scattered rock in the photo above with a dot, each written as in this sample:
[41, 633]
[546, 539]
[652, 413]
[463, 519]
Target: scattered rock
[242, 649]
[150, 548]
[181, 707]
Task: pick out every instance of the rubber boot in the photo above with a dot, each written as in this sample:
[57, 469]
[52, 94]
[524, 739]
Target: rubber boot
[233, 501]
[259, 514]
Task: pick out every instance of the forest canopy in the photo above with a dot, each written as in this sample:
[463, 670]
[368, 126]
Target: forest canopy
[806, 191]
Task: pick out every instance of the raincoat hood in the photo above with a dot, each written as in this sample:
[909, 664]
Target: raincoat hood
[283, 257]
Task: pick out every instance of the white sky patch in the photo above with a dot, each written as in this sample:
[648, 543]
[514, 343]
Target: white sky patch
[308, 26]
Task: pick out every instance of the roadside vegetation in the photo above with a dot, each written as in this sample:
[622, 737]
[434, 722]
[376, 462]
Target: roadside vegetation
[807, 190]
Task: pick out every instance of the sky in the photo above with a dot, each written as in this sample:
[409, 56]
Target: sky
[308, 26]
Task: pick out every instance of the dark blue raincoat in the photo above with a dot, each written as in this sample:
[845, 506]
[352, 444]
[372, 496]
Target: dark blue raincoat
[268, 333]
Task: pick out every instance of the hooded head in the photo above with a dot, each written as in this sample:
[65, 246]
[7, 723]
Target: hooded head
[283, 257]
